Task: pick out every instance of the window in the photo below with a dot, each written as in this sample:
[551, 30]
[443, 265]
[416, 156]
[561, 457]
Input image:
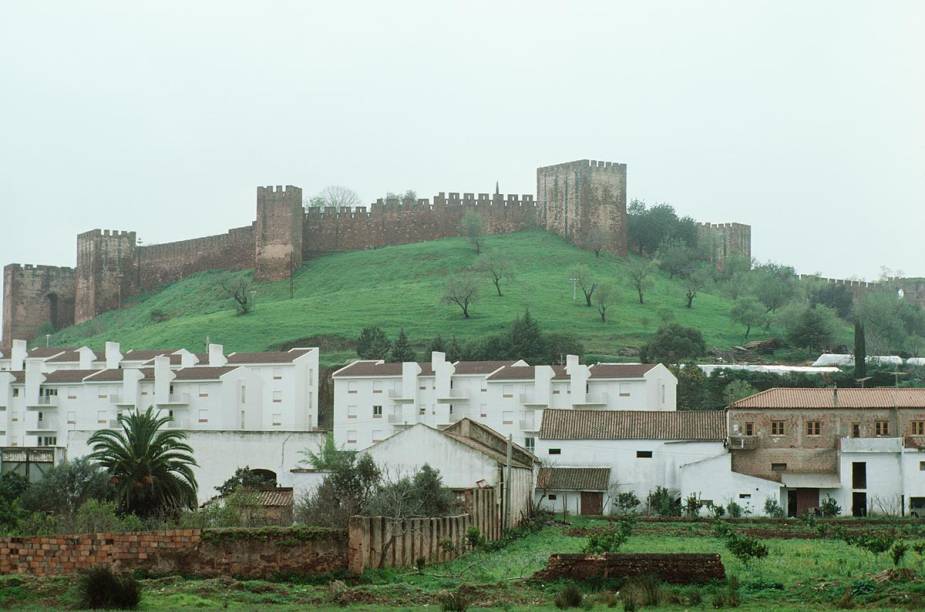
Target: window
[624, 390]
[749, 429]
[483, 410]
[15, 392]
[918, 428]
[377, 386]
[203, 416]
[507, 391]
[882, 428]
[48, 440]
[377, 435]
[377, 412]
[69, 396]
[855, 430]
[351, 436]
[102, 416]
[277, 374]
[71, 418]
[351, 387]
[352, 411]
[203, 391]
[778, 467]
[643, 454]
[922, 466]
[552, 498]
[777, 428]
[813, 428]
[530, 444]
[555, 451]
[277, 420]
[243, 394]
[41, 416]
[422, 410]
[277, 397]
[507, 417]
[745, 495]
[105, 395]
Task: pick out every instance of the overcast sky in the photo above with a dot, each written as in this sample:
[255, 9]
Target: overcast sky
[805, 120]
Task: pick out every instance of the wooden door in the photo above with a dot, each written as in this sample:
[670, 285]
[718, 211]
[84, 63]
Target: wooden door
[592, 504]
[807, 500]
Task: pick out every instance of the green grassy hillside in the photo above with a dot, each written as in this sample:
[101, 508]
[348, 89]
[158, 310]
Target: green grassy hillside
[401, 286]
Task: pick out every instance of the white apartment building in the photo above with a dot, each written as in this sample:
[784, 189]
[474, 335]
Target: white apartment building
[373, 399]
[590, 456]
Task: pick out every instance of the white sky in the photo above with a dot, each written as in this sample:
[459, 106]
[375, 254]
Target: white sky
[804, 119]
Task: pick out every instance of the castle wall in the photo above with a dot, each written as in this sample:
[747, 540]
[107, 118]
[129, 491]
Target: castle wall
[725, 240]
[161, 264]
[279, 232]
[393, 222]
[584, 196]
[34, 296]
[105, 271]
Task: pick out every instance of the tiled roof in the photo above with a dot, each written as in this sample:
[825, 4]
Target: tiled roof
[620, 370]
[267, 356]
[175, 359]
[202, 372]
[115, 375]
[65, 357]
[573, 479]
[830, 398]
[19, 376]
[485, 450]
[378, 368]
[271, 497]
[479, 367]
[45, 352]
[700, 425]
[147, 355]
[526, 373]
[68, 376]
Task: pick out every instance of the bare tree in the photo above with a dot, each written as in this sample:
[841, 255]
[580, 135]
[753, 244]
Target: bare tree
[240, 291]
[581, 274]
[336, 195]
[462, 290]
[694, 282]
[604, 298]
[472, 228]
[597, 240]
[497, 268]
[640, 273]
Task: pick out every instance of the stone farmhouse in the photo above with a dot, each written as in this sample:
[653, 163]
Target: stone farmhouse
[572, 199]
[254, 409]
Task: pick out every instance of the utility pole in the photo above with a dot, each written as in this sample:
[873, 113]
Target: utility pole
[507, 484]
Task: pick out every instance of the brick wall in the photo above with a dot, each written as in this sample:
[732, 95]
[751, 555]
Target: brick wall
[677, 568]
[34, 296]
[253, 553]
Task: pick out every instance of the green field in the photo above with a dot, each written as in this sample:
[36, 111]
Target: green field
[798, 574]
[401, 286]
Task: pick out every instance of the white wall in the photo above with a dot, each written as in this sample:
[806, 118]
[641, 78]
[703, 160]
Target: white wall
[713, 479]
[220, 453]
[884, 475]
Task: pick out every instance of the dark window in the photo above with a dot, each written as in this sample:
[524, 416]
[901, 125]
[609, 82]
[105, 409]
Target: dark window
[813, 428]
[778, 467]
[552, 498]
[918, 428]
[749, 429]
[555, 451]
[643, 454]
[883, 428]
[745, 495]
[777, 428]
[855, 430]
[922, 466]
[859, 475]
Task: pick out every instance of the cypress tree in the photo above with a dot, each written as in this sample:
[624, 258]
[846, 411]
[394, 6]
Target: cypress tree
[401, 349]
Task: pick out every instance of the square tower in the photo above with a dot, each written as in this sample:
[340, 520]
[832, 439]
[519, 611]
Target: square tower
[106, 271]
[583, 196]
[280, 218]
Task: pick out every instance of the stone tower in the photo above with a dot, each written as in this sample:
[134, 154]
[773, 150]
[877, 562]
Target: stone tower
[106, 271]
[581, 196]
[35, 298]
[280, 218]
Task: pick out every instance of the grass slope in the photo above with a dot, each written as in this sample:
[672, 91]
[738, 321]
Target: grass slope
[401, 286]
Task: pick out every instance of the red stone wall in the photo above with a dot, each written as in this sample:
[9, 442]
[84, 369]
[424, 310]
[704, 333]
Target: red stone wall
[34, 296]
[256, 553]
[161, 264]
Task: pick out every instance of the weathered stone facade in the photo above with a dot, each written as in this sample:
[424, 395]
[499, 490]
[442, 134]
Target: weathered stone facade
[724, 241]
[34, 296]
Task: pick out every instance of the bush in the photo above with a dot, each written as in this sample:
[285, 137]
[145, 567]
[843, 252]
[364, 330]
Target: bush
[674, 344]
[454, 601]
[898, 551]
[829, 507]
[612, 537]
[745, 548]
[100, 587]
[640, 591]
[626, 502]
[718, 511]
[474, 537]
[692, 506]
[663, 502]
[773, 508]
[734, 510]
[569, 597]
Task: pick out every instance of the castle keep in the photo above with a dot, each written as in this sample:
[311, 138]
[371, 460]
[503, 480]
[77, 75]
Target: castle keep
[572, 199]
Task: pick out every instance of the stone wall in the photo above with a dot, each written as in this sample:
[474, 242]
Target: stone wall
[255, 553]
[34, 296]
[725, 240]
[105, 271]
[676, 568]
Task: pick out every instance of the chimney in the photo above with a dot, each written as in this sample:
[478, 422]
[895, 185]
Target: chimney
[162, 379]
[217, 355]
[113, 355]
[436, 360]
[85, 358]
[18, 355]
[570, 362]
[187, 359]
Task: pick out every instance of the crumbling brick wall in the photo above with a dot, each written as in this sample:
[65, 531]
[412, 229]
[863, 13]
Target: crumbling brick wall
[677, 568]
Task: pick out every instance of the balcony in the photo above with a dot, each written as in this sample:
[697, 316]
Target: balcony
[118, 400]
[452, 399]
[871, 445]
[743, 442]
[396, 396]
[592, 401]
[528, 425]
[528, 399]
[45, 401]
[42, 427]
[396, 419]
[177, 398]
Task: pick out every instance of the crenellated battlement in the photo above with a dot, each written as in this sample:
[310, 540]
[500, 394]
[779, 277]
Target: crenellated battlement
[39, 268]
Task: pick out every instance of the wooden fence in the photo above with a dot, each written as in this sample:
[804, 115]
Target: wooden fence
[377, 541]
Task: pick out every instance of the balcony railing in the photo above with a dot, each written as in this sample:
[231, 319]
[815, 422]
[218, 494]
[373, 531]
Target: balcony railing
[177, 398]
[399, 397]
[528, 399]
[46, 401]
[743, 442]
[45, 425]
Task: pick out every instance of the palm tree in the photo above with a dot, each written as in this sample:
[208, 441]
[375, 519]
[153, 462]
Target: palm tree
[151, 470]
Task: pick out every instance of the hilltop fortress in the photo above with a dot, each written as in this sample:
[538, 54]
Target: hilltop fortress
[571, 199]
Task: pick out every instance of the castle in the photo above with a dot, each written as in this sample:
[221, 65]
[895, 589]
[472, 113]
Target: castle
[571, 199]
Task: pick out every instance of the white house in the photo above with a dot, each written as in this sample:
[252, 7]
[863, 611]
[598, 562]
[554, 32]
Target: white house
[372, 399]
[712, 480]
[641, 449]
[468, 455]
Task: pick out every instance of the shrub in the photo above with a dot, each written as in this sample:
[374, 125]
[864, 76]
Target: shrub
[159, 316]
[745, 548]
[718, 511]
[640, 591]
[454, 601]
[474, 537]
[626, 502]
[100, 587]
[846, 601]
[829, 507]
[663, 502]
[773, 508]
[734, 510]
[569, 597]
[611, 538]
[898, 551]
[729, 598]
[691, 506]
[876, 544]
